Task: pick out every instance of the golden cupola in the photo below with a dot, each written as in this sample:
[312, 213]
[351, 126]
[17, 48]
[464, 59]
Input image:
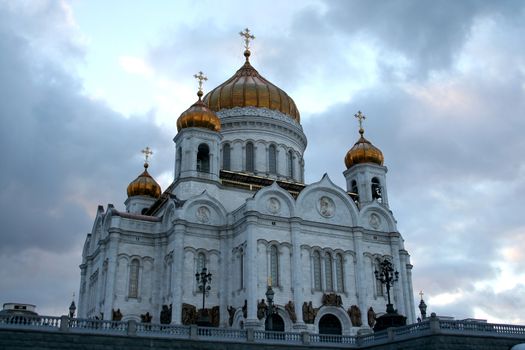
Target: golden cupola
[144, 185]
[199, 115]
[247, 88]
[363, 151]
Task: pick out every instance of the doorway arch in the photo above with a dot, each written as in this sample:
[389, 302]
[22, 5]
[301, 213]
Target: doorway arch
[277, 323]
[330, 324]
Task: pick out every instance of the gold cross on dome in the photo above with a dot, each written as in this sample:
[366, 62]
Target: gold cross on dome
[201, 78]
[147, 152]
[247, 37]
[421, 294]
[360, 116]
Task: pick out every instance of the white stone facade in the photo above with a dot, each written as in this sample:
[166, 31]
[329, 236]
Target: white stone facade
[316, 243]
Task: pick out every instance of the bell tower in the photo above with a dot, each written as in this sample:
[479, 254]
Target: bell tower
[197, 150]
[365, 174]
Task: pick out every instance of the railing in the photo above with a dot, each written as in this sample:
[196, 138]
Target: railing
[429, 326]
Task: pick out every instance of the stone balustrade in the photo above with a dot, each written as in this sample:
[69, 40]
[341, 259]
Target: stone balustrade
[430, 326]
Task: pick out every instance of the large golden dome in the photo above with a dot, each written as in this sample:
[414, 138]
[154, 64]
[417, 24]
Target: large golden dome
[199, 116]
[363, 152]
[247, 88]
[144, 185]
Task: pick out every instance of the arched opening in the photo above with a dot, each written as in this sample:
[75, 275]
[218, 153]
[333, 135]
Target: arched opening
[290, 164]
[203, 158]
[277, 324]
[272, 159]
[354, 192]
[376, 189]
[250, 163]
[317, 270]
[226, 152]
[274, 266]
[178, 161]
[330, 324]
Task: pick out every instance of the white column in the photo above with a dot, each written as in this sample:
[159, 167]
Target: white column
[225, 279]
[251, 272]
[397, 285]
[177, 273]
[360, 273]
[112, 253]
[297, 273]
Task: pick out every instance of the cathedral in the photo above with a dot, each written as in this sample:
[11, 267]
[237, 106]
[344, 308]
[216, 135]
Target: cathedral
[239, 210]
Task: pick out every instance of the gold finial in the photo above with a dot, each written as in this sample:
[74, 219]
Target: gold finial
[147, 152]
[360, 116]
[201, 78]
[247, 37]
[421, 294]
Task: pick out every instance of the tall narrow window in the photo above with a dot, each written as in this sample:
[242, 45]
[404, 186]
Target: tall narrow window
[249, 157]
[274, 265]
[376, 189]
[317, 270]
[203, 158]
[134, 278]
[339, 272]
[241, 257]
[272, 160]
[201, 262]
[178, 161]
[226, 152]
[328, 272]
[379, 285]
[290, 164]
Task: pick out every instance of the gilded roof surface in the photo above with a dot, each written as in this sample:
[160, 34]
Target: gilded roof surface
[144, 185]
[247, 88]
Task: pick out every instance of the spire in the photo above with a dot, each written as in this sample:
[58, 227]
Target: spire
[247, 37]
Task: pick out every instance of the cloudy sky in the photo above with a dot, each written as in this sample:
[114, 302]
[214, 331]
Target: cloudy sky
[85, 85]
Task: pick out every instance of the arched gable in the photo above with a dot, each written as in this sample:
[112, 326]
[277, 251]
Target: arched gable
[326, 202]
[204, 209]
[273, 200]
[375, 217]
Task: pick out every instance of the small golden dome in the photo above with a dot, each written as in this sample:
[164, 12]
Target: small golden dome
[199, 116]
[144, 185]
[247, 88]
[363, 152]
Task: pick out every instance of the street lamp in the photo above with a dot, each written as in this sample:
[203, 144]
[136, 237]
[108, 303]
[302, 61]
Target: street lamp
[72, 307]
[269, 313]
[387, 276]
[203, 281]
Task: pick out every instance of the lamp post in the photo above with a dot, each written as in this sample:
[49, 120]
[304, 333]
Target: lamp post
[422, 307]
[269, 298]
[387, 276]
[203, 280]
[72, 307]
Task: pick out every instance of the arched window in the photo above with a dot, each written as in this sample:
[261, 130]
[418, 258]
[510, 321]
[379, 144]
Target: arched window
[272, 160]
[226, 152]
[274, 265]
[355, 192]
[290, 164]
[201, 262]
[339, 273]
[317, 270]
[203, 158]
[250, 166]
[134, 268]
[328, 272]
[376, 189]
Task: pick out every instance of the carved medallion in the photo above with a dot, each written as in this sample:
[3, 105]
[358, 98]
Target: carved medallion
[273, 205]
[203, 214]
[374, 221]
[326, 207]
